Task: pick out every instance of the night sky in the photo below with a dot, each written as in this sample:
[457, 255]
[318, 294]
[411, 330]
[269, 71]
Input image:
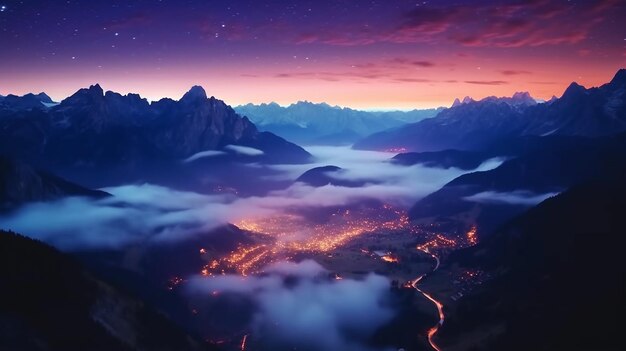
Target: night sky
[363, 54]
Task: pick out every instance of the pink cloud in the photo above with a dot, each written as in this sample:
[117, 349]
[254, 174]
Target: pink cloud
[520, 24]
[511, 72]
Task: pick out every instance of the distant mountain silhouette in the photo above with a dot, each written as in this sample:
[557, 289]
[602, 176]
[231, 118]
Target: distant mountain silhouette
[471, 125]
[518, 99]
[20, 183]
[48, 301]
[309, 123]
[28, 101]
[93, 134]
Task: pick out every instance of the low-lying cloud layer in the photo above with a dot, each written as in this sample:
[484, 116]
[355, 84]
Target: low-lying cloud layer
[291, 305]
[299, 307]
[244, 150]
[519, 197]
[203, 154]
[235, 149]
[385, 180]
[142, 213]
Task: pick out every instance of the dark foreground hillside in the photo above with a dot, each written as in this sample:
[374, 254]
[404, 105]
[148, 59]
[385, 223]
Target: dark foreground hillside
[559, 277]
[49, 302]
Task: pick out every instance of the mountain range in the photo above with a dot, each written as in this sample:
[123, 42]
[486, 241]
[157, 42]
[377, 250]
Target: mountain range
[98, 137]
[471, 125]
[309, 123]
[552, 275]
[14, 102]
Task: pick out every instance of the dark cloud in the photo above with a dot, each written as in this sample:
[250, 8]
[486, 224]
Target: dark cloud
[399, 69]
[413, 80]
[512, 24]
[514, 72]
[424, 63]
[402, 61]
[333, 76]
[487, 82]
[424, 21]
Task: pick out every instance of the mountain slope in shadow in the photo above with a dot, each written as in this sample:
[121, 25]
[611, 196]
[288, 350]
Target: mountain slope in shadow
[558, 279]
[20, 183]
[50, 302]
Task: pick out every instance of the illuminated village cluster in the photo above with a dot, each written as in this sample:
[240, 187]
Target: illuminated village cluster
[438, 242]
[284, 235]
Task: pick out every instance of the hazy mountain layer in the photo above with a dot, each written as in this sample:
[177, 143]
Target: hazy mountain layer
[309, 123]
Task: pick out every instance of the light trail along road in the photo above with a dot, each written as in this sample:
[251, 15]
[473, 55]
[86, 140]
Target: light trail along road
[432, 331]
[243, 342]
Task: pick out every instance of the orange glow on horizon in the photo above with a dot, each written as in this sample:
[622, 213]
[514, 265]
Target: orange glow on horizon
[236, 87]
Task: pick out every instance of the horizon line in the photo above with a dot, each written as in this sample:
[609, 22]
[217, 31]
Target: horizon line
[282, 105]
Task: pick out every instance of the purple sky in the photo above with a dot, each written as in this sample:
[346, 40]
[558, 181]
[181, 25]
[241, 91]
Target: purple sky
[365, 54]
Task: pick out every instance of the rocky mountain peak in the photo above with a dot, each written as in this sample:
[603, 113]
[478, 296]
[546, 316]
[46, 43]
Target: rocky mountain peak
[467, 100]
[43, 97]
[573, 90]
[619, 78]
[96, 89]
[521, 95]
[195, 93]
[85, 95]
[523, 98]
[458, 102]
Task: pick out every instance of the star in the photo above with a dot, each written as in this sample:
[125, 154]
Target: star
[3, 8]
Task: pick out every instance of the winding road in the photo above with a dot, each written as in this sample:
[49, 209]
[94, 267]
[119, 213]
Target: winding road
[243, 342]
[432, 331]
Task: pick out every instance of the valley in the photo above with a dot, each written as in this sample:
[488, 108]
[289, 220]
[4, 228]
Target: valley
[351, 244]
[312, 175]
